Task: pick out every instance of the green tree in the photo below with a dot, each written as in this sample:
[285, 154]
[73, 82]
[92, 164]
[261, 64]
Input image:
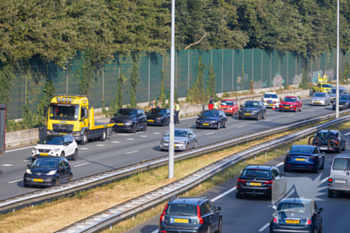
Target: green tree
[162, 96]
[134, 82]
[86, 73]
[346, 71]
[118, 101]
[48, 94]
[211, 82]
[303, 84]
[6, 79]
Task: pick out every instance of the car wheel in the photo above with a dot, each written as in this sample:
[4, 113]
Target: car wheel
[286, 169]
[338, 150]
[195, 145]
[70, 178]
[164, 122]
[280, 110]
[26, 185]
[197, 127]
[322, 168]
[220, 226]
[258, 118]
[316, 170]
[238, 196]
[344, 147]
[219, 126]
[209, 229]
[57, 181]
[225, 125]
[301, 109]
[187, 147]
[264, 116]
[239, 118]
[62, 154]
[330, 194]
[320, 231]
[75, 155]
[133, 129]
[103, 137]
[144, 128]
[85, 139]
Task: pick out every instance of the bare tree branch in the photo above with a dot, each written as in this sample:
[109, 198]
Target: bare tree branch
[196, 42]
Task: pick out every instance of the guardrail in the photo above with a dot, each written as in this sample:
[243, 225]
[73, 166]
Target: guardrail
[47, 194]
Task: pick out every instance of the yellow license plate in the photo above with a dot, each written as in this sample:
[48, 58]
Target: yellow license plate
[255, 184]
[43, 154]
[271, 104]
[293, 221]
[120, 124]
[205, 124]
[181, 220]
[38, 180]
[299, 159]
[317, 102]
[150, 120]
[62, 133]
[286, 107]
[247, 114]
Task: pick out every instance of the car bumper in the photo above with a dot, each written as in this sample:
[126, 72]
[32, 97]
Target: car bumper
[78, 136]
[155, 122]
[195, 229]
[228, 111]
[291, 229]
[165, 146]
[287, 108]
[50, 154]
[254, 191]
[47, 181]
[326, 148]
[122, 127]
[251, 116]
[341, 107]
[320, 103]
[209, 126]
[300, 166]
[268, 105]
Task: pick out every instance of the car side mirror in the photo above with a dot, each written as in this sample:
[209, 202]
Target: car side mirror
[115, 114]
[241, 172]
[60, 168]
[190, 136]
[28, 165]
[320, 210]
[287, 151]
[218, 208]
[274, 207]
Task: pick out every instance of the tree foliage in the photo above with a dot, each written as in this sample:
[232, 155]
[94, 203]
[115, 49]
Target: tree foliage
[197, 93]
[117, 103]
[162, 96]
[210, 90]
[134, 82]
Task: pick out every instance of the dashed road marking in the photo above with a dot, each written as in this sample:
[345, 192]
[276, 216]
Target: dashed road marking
[27, 160]
[224, 194]
[241, 126]
[7, 165]
[268, 120]
[130, 139]
[291, 115]
[83, 148]
[131, 152]
[8, 151]
[156, 133]
[144, 136]
[210, 133]
[311, 110]
[116, 142]
[15, 181]
[264, 227]
[82, 164]
[347, 133]
[100, 145]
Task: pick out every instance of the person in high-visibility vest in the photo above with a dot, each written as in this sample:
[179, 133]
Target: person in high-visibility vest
[177, 110]
[216, 105]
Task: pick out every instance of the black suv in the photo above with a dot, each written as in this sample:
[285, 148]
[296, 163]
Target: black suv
[260, 180]
[328, 140]
[190, 214]
[129, 119]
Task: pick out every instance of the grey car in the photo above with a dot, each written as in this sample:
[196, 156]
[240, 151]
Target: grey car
[338, 181]
[342, 91]
[184, 139]
[320, 98]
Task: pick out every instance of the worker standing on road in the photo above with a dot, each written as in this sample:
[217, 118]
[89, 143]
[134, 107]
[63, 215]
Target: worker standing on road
[211, 100]
[177, 110]
[152, 104]
[217, 105]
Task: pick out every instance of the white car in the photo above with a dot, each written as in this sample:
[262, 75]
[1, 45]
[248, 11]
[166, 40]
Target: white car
[270, 99]
[56, 145]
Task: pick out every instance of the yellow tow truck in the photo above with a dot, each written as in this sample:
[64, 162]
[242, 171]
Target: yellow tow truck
[70, 114]
[322, 85]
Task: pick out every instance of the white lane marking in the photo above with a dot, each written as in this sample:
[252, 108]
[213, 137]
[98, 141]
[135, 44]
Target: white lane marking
[100, 145]
[241, 126]
[27, 160]
[82, 164]
[311, 110]
[144, 136]
[264, 227]
[123, 134]
[210, 133]
[7, 165]
[224, 194]
[115, 141]
[156, 231]
[279, 164]
[347, 133]
[15, 181]
[325, 179]
[129, 139]
[268, 120]
[8, 151]
[131, 152]
[291, 115]
[83, 148]
[156, 133]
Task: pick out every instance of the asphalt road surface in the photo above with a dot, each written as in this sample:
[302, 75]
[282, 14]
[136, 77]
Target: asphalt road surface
[253, 214]
[122, 149]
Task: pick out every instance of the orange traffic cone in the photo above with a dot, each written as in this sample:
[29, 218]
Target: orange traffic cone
[273, 107]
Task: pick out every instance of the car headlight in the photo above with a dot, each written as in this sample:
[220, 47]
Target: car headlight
[28, 171]
[112, 121]
[255, 111]
[51, 173]
[182, 142]
[198, 121]
[128, 123]
[159, 118]
[57, 149]
[76, 134]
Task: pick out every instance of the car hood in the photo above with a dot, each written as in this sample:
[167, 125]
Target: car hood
[226, 106]
[42, 170]
[249, 109]
[155, 115]
[208, 118]
[318, 98]
[289, 103]
[46, 146]
[122, 118]
[271, 99]
[176, 139]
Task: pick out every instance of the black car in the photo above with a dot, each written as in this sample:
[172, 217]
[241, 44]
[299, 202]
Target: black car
[342, 91]
[48, 171]
[259, 180]
[212, 119]
[190, 214]
[344, 102]
[130, 120]
[252, 110]
[158, 116]
[297, 215]
[329, 140]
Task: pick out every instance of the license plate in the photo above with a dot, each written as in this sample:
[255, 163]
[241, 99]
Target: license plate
[255, 184]
[286, 107]
[181, 220]
[293, 221]
[37, 180]
[62, 133]
[323, 148]
[299, 159]
[271, 104]
[340, 181]
[205, 124]
[166, 144]
[317, 102]
[247, 114]
[150, 120]
[44, 154]
[120, 124]
[341, 106]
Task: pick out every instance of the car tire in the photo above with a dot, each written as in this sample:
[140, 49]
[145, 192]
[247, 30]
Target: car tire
[144, 128]
[75, 155]
[286, 169]
[301, 109]
[103, 137]
[62, 154]
[26, 185]
[219, 126]
[57, 181]
[133, 129]
[70, 178]
[220, 226]
[330, 194]
[195, 145]
[316, 170]
[344, 147]
[225, 125]
[238, 196]
[197, 127]
[322, 168]
[280, 110]
[239, 118]
[164, 122]
[264, 116]
[187, 147]
[85, 139]
[338, 150]
[258, 118]
[320, 231]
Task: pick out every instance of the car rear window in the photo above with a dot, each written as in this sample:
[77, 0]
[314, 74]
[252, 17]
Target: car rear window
[301, 149]
[256, 173]
[340, 164]
[45, 163]
[226, 102]
[181, 209]
[292, 207]
[273, 96]
[288, 99]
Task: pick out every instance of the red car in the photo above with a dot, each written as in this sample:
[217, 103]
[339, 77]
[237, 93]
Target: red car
[291, 103]
[229, 106]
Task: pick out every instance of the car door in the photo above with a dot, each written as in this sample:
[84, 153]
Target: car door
[62, 170]
[318, 154]
[71, 145]
[139, 119]
[192, 138]
[66, 145]
[340, 174]
[209, 216]
[66, 169]
[216, 216]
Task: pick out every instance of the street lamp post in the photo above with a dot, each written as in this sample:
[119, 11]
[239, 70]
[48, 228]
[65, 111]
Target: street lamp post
[337, 72]
[172, 72]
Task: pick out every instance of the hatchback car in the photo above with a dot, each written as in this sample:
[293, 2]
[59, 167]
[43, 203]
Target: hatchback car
[252, 110]
[229, 106]
[56, 145]
[184, 139]
[158, 116]
[211, 119]
[49, 171]
[291, 103]
[270, 99]
[332, 94]
[320, 98]
[297, 215]
[258, 180]
[190, 214]
[344, 102]
[339, 179]
[304, 157]
[130, 120]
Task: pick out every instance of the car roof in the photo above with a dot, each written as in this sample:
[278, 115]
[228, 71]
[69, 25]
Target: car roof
[53, 157]
[290, 96]
[304, 146]
[262, 167]
[296, 200]
[270, 92]
[339, 88]
[182, 129]
[187, 200]
[347, 156]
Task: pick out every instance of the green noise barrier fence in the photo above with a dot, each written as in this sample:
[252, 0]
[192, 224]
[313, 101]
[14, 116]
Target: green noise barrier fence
[234, 70]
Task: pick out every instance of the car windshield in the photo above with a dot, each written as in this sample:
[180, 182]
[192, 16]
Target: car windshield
[272, 96]
[344, 97]
[301, 149]
[256, 173]
[227, 102]
[126, 112]
[45, 163]
[179, 133]
[292, 207]
[290, 99]
[326, 85]
[340, 164]
[182, 209]
[64, 112]
[251, 105]
[320, 94]
[211, 114]
[52, 140]
[156, 111]
[340, 91]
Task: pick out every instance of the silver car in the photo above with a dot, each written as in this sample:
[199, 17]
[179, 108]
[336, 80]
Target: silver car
[184, 139]
[320, 98]
[338, 181]
[342, 91]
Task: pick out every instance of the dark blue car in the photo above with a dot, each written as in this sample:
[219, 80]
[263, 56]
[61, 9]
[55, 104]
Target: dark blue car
[212, 119]
[344, 102]
[158, 116]
[190, 214]
[304, 157]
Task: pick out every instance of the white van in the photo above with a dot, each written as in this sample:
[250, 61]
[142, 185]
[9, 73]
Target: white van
[339, 179]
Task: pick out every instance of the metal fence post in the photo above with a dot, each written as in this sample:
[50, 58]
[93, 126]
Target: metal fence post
[262, 68]
[222, 71]
[188, 69]
[149, 78]
[67, 79]
[233, 61]
[252, 66]
[270, 68]
[287, 67]
[103, 86]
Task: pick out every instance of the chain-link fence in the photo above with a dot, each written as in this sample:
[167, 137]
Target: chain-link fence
[234, 70]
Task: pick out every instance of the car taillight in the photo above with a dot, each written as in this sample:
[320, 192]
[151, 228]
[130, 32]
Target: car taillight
[330, 180]
[308, 222]
[200, 219]
[289, 156]
[241, 181]
[312, 157]
[268, 182]
[163, 231]
[275, 220]
[163, 214]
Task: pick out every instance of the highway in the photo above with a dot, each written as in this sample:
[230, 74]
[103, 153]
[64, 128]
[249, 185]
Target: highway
[122, 149]
[253, 214]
